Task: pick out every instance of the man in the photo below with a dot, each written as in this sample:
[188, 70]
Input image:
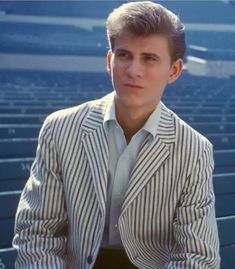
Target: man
[122, 182]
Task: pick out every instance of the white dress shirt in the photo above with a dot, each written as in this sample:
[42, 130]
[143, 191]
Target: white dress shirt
[122, 157]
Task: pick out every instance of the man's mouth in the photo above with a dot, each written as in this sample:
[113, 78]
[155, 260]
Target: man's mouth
[134, 86]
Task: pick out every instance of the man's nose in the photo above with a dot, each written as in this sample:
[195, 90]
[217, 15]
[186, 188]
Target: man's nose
[134, 69]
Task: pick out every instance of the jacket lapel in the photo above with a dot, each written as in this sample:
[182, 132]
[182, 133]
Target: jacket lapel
[151, 157]
[96, 147]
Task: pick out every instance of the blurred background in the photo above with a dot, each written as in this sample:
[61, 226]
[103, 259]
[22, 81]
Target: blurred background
[53, 55]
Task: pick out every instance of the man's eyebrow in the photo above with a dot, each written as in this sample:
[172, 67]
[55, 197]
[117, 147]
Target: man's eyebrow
[122, 50]
[150, 54]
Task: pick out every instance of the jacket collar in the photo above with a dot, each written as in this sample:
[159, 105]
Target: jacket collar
[95, 144]
[95, 119]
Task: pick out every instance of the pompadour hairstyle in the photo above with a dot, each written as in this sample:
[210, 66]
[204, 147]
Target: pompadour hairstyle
[146, 18]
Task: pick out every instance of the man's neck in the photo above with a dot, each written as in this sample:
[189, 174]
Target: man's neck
[131, 120]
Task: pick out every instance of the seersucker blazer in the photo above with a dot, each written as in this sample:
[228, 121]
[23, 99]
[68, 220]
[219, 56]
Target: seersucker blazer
[167, 218]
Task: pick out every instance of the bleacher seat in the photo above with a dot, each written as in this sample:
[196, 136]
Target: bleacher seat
[208, 118]
[7, 258]
[8, 206]
[21, 119]
[222, 141]
[29, 110]
[17, 147]
[214, 127]
[224, 186]
[8, 131]
[13, 173]
[224, 161]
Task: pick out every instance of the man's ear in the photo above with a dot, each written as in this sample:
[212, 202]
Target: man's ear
[109, 56]
[176, 70]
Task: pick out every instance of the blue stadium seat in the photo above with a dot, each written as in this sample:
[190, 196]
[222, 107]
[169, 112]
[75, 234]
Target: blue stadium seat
[12, 171]
[208, 118]
[18, 147]
[28, 110]
[21, 119]
[7, 258]
[214, 128]
[224, 185]
[222, 141]
[227, 256]
[224, 161]
[8, 131]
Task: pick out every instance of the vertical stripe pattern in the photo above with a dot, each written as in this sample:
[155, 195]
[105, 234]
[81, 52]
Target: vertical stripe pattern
[167, 218]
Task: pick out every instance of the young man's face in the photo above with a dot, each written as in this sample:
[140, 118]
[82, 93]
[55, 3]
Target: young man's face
[140, 68]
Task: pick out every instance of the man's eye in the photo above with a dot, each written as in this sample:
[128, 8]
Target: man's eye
[149, 58]
[123, 55]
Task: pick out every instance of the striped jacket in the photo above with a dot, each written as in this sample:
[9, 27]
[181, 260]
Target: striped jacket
[167, 218]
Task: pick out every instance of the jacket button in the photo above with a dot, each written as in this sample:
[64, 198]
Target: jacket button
[89, 259]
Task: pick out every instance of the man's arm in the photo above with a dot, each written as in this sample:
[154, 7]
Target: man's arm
[41, 218]
[195, 228]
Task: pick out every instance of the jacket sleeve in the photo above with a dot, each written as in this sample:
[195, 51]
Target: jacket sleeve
[195, 228]
[41, 218]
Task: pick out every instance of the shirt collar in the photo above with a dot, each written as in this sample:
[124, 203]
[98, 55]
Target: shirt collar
[150, 126]
[110, 114]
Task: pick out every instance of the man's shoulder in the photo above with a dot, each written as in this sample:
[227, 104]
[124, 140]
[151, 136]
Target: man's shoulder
[183, 129]
[80, 111]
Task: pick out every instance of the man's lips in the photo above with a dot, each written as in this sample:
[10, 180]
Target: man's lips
[134, 86]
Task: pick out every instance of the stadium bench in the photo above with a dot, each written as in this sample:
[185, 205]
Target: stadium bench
[197, 108]
[7, 258]
[29, 103]
[224, 161]
[18, 147]
[227, 241]
[208, 118]
[214, 128]
[222, 141]
[29, 110]
[224, 187]
[14, 171]
[8, 206]
[21, 119]
[227, 257]
[19, 130]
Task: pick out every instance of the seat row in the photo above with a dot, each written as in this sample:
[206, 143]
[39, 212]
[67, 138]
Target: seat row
[14, 171]
[216, 130]
[26, 147]
[26, 118]
[220, 112]
[44, 93]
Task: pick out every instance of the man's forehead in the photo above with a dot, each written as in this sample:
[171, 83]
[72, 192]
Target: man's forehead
[143, 44]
